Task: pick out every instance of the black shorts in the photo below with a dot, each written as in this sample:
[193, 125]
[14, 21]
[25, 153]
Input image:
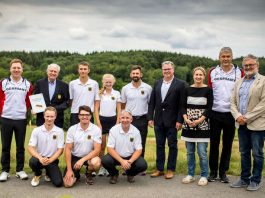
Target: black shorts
[107, 123]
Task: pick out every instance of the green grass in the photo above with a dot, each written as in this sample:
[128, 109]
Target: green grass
[150, 155]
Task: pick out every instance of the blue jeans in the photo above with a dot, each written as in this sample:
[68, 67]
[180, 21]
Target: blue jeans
[202, 152]
[251, 140]
[162, 133]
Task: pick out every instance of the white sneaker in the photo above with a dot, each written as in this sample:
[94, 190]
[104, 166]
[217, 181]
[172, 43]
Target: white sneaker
[94, 174]
[188, 179]
[106, 173]
[101, 171]
[3, 177]
[47, 178]
[35, 181]
[22, 175]
[203, 181]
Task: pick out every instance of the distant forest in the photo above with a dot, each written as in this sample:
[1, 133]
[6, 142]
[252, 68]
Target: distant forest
[116, 63]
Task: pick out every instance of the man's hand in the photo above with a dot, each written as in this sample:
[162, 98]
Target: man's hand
[78, 165]
[69, 174]
[178, 126]
[125, 164]
[241, 120]
[151, 123]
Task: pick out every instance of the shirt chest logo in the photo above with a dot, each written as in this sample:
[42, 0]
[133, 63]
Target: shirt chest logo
[131, 139]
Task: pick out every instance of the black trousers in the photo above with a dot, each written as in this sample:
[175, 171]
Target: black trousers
[110, 164]
[52, 170]
[74, 119]
[8, 127]
[141, 123]
[74, 159]
[226, 122]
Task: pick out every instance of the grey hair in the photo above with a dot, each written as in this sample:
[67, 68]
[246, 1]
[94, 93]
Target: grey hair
[126, 111]
[54, 65]
[250, 56]
[168, 63]
[226, 50]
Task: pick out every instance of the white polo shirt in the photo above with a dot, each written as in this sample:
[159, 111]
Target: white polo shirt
[47, 142]
[136, 99]
[108, 103]
[125, 144]
[83, 140]
[83, 94]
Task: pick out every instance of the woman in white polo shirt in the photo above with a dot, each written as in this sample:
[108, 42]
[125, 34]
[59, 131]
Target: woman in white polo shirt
[107, 111]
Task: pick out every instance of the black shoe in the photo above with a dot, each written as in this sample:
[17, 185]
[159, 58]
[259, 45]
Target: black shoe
[212, 178]
[89, 178]
[224, 178]
[113, 179]
[130, 179]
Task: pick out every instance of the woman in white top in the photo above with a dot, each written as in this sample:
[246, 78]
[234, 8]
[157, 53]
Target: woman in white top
[107, 110]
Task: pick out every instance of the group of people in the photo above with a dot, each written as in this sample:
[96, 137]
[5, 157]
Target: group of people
[233, 97]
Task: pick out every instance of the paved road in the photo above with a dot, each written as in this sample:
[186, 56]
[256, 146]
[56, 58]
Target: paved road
[143, 187]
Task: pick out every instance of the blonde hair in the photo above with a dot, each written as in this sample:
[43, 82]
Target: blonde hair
[104, 77]
[199, 68]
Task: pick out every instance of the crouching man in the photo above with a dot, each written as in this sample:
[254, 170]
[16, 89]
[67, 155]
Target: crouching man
[124, 149]
[46, 145]
[83, 145]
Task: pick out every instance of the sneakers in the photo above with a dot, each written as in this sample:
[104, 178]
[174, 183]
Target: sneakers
[101, 171]
[212, 177]
[253, 186]
[224, 178]
[35, 181]
[239, 184]
[130, 179]
[188, 179]
[94, 174]
[113, 179]
[47, 178]
[203, 181]
[89, 178]
[22, 175]
[4, 176]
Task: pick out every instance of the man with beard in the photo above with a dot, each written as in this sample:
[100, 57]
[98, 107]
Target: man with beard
[135, 97]
[247, 107]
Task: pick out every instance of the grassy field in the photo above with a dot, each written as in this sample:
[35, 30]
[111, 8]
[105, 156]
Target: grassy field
[150, 155]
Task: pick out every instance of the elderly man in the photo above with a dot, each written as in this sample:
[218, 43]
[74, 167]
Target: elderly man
[55, 93]
[164, 112]
[83, 145]
[14, 103]
[124, 149]
[46, 145]
[248, 109]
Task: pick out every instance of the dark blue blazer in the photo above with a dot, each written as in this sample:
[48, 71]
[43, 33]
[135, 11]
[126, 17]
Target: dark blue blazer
[60, 99]
[168, 112]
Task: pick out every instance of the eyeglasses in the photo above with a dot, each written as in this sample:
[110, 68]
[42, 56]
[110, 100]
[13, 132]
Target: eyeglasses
[84, 115]
[250, 65]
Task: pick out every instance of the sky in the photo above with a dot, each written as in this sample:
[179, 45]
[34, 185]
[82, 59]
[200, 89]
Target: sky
[195, 27]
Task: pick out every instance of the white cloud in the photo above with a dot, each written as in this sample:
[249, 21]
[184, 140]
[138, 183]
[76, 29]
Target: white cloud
[78, 33]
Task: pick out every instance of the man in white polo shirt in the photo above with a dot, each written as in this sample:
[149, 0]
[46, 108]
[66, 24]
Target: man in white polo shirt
[83, 145]
[83, 91]
[124, 149]
[46, 145]
[135, 97]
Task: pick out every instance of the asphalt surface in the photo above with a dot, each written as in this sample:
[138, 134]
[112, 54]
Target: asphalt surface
[143, 187]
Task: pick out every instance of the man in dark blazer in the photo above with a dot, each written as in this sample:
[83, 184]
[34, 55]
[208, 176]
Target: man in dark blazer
[55, 93]
[165, 115]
